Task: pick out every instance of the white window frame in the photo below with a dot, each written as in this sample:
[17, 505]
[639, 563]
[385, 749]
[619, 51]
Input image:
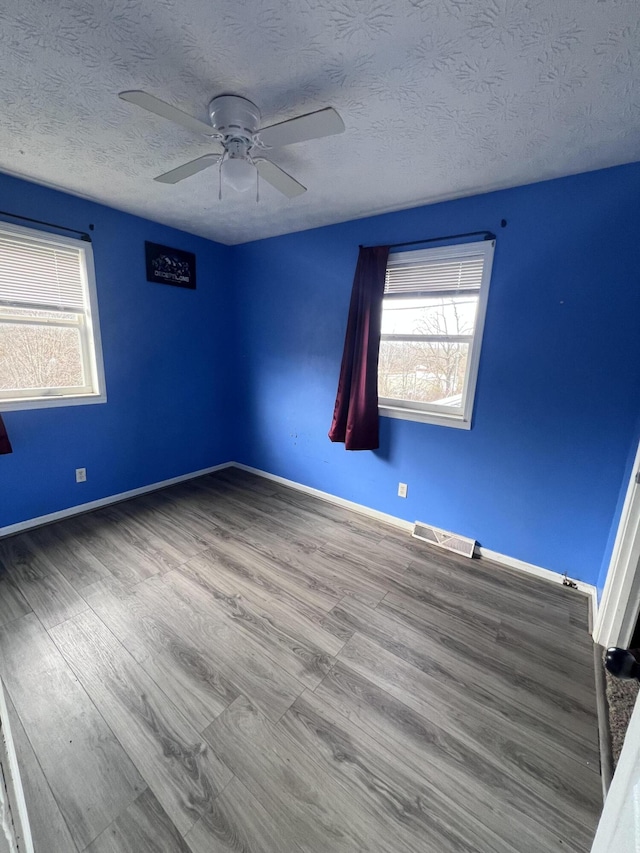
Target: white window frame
[87, 323]
[428, 412]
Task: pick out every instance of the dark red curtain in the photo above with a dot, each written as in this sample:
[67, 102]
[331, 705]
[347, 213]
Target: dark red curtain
[5, 444]
[355, 416]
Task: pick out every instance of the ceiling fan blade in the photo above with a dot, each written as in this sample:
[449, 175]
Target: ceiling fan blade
[160, 108]
[279, 179]
[188, 169]
[310, 126]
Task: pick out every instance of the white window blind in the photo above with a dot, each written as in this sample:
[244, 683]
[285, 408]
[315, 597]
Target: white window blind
[50, 353]
[420, 277]
[36, 272]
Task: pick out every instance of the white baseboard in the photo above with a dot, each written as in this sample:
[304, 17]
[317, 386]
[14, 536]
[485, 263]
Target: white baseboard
[10, 529]
[327, 496]
[400, 523]
[546, 574]
[15, 828]
[495, 556]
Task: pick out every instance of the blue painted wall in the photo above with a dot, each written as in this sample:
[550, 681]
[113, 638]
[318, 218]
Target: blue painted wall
[166, 356]
[246, 368]
[539, 475]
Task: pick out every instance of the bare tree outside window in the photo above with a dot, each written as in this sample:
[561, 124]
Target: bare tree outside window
[426, 366]
[39, 355]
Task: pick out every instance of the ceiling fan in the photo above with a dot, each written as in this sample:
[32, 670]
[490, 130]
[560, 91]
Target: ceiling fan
[239, 141]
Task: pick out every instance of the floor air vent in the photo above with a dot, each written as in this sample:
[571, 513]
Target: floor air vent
[444, 539]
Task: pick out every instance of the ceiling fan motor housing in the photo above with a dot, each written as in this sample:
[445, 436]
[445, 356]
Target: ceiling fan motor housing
[234, 117]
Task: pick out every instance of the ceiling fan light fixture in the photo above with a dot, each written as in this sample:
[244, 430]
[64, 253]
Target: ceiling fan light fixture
[238, 173]
[236, 137]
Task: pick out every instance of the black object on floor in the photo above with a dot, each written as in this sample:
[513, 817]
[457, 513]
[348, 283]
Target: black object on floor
[622, 663]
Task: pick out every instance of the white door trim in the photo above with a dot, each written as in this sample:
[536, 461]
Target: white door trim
[619, 828]
[15, 828]
[620, 602]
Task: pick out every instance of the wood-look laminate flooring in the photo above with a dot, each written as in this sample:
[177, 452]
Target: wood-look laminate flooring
[231, 665]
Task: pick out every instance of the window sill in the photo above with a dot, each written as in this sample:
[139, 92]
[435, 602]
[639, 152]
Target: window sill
[51, 402]
[455, 421]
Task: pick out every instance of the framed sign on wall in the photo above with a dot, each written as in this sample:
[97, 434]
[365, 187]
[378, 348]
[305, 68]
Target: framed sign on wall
[170, 266]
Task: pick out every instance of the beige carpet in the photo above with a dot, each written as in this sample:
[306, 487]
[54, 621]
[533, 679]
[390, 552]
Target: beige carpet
[621, 698]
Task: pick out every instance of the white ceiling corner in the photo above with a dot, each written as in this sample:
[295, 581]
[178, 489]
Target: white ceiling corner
[440, 98]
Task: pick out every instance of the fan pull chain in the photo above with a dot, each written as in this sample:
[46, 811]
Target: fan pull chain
[257, 186]
[220, 180]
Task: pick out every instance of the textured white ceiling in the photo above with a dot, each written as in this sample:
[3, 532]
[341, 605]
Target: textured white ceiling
[441, 98]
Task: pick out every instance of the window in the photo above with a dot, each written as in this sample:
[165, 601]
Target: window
[432, 319]
[50, 352]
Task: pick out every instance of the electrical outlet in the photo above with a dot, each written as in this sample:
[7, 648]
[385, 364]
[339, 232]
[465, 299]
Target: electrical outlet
[402, 490]
[81, 475]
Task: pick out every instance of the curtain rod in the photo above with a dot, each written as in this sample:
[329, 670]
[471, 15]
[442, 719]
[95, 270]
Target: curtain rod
[488, 235]
[83, 234]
